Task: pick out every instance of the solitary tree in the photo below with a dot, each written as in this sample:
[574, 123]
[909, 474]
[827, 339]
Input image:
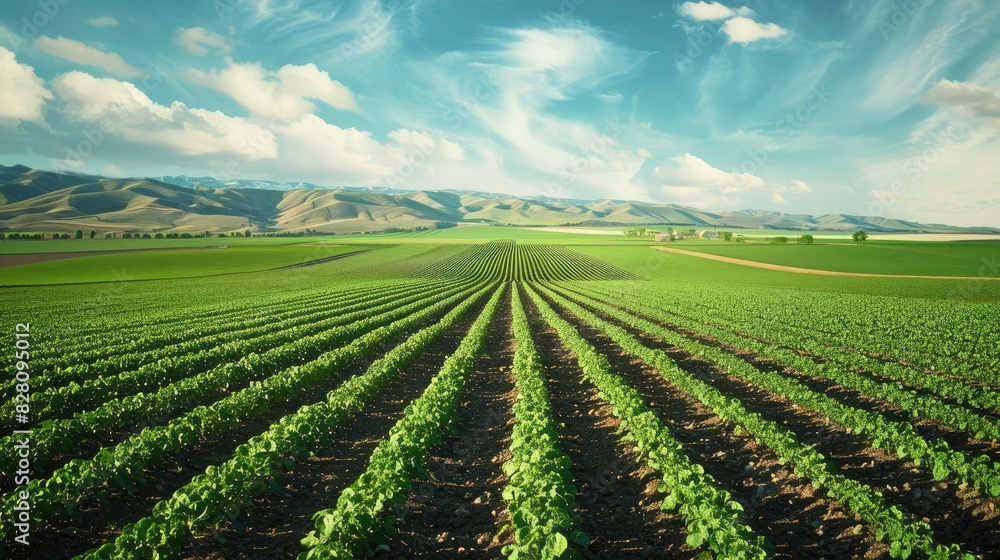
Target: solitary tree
[92, 234]
[79, 234]
[246, 233]
[806, 239]
[860, 236]
[727, 236]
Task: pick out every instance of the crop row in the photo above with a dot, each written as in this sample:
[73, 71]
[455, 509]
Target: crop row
[898, 438]
[508, 260]
[59, 436]
[215, 497]
[87, 386]
[904, 536]
[540, 493]
[712, 516]
[127, 461]
[359, 518]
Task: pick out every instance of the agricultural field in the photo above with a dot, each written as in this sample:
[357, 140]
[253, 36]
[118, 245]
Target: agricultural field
[500, 393]
[876, 257]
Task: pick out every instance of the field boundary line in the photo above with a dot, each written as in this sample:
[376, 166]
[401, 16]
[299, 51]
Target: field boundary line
[814, 271]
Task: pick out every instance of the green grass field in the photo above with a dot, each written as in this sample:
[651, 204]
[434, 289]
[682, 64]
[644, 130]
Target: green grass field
[20, 247]
[173, 264]
[876, 257]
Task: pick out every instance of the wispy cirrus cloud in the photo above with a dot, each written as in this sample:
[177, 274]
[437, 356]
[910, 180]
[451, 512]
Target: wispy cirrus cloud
[103, 21]
[78, 52]
[199, 41]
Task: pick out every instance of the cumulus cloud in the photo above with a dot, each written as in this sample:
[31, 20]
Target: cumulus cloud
[313, 147]
[199, 41]
[75, 51]
[121, 109]
[776, 198]
[104, 21]
[690, 171]
[799, 186]
[23, 94]
[711, 11]
[738, 26]
[282, 95]
[440, 148]
[745, 30]
[967, 98]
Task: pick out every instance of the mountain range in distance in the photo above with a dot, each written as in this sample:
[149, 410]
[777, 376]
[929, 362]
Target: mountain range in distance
[35, 200]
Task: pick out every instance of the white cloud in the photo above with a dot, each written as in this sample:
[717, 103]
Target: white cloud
[438, 148]
[966, 98]
[311, 147]
[104, 21]
[799, 186]
[776, 198]
[711, 11]
[75, 51]
[23, 94]
[282, 95]
[745, 30]
[690, 171]
[122, 110]
[199, 41]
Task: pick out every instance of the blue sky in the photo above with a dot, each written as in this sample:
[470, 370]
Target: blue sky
[882, 107]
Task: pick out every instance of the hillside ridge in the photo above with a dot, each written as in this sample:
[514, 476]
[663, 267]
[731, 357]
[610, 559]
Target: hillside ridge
[36, 200]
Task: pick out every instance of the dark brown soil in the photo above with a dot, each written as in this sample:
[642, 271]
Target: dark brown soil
[798, 521]
[617, 494]
[96, 441]
[457, 512]
[955, 514]
[277, 524]
[103, 516]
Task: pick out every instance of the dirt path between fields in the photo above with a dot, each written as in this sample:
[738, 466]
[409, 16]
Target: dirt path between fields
[783, 268]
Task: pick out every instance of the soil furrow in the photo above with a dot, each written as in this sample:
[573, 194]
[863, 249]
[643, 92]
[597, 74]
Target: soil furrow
[799, 521]
[102, 517]
[276, 524]
[617, 496]
[458, 510]
[955, 514]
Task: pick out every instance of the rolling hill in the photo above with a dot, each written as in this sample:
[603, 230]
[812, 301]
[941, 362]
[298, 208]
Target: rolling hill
[34, 200]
